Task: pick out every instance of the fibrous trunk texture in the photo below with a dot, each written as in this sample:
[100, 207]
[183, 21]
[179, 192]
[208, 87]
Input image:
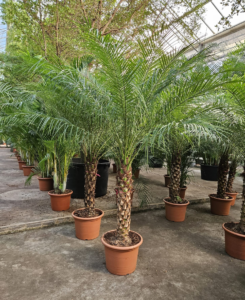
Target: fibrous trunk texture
[242, 220]
[90, 184]
[175, 177]
[232, 174]
[223, 171]
[123, 193]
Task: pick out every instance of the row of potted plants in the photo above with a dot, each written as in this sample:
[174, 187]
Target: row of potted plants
[119, 104]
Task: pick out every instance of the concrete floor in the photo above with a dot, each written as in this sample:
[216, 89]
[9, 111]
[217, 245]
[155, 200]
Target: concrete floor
[176, 261]
[23, 205]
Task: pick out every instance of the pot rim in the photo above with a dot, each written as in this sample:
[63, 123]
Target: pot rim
[21, 161]
[228, 200]
[232, 232]
[121, 248]
[44, 178]
[183, 188]
[28, 166]
[166, 175]
[228, 193]
[60, 195]
[88, 219]
[176, 204]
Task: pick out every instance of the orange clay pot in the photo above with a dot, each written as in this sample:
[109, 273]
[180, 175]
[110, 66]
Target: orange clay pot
[14, 150]
[27, 170]
[234, 244]
[21, 164]
[220, 207]
[137, 173]
[182, 192]
[87, 228]
[121, 260]
[18, 158]
[167, 180]
[60, 202]
[175, 212]
[114, 168]
[46, 184]
[233, 195]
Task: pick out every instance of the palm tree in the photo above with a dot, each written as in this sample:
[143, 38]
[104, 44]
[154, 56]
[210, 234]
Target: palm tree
[69, 108]
[147, 90]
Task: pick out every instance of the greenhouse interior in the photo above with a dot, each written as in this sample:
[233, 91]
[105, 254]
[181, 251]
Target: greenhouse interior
[122, 166]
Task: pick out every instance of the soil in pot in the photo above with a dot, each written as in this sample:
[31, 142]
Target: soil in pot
[21, 164]
[60, 202]
[121, 260]
[46, 184]
[233, 195]
[114, 168]
[27, 170]
[234, 240]
[220, 207]
[167, 180]
[182, 192]
[87, 228]
[137, 173]
[175, 211]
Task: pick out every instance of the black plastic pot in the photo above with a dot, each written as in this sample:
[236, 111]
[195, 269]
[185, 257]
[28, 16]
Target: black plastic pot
[76, 180]
[155, 162]
[209, 172]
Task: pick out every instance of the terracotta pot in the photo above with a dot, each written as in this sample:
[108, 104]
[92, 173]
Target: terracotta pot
[234, 244]
[182, 192]
[27, 170]
[233, 195]
[14, 150]
[220, 207]
[21, 164]
[114, 168]
[137, 173]
[46, 184]
[87, 228]
[175, 212]
[60, 202]
[18, 158]
[121, 260]
[167, 180]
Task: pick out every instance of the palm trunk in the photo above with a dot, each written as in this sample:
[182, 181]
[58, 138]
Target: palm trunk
[124, 190]
[223, 171]
[90, 184]
[242, 220]
[232, 174]
[55, 177]
[175, 177]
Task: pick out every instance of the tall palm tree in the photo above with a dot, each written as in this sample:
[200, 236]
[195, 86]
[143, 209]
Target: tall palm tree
[147, 90]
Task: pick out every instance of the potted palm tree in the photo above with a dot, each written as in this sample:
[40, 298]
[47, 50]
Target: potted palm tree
[175, 206]
[220, 202]
[144, 85]
[44, 169]
[62, 151]
[231, 177]
[63, 118]
[235, 231]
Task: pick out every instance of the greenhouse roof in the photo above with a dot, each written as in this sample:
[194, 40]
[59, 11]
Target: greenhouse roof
[208, 21]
